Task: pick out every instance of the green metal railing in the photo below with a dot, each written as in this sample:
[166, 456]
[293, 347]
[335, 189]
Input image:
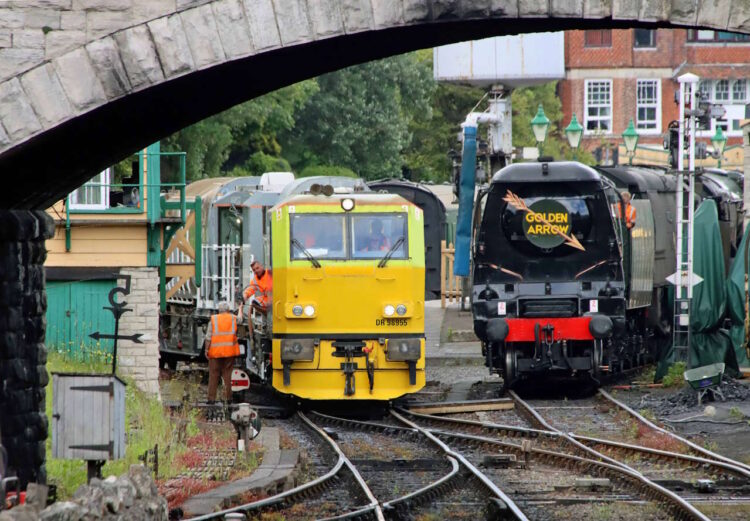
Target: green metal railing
[151, 205]
[169, 231]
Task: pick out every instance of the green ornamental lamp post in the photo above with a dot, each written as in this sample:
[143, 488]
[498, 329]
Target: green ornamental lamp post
[574, 133]
[540, 125]
[630, 137]
[719, 141]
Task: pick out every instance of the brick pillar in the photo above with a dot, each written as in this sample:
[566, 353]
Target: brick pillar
[23, 356]
[141, 361]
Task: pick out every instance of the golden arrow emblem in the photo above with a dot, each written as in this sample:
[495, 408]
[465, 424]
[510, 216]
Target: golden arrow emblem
[519, 204]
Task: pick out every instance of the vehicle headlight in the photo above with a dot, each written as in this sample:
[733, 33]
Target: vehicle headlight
[404, 349]
[401, 310]
[309, 310]
[389, 310]
[347, 204]
[302, 349]
[297, 310]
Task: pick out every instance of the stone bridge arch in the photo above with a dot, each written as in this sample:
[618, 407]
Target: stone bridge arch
[110, 76]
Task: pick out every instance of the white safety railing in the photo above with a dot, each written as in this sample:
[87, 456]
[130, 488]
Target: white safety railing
[220, 277]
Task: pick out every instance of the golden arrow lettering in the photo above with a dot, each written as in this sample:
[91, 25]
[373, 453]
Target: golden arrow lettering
[518, 203]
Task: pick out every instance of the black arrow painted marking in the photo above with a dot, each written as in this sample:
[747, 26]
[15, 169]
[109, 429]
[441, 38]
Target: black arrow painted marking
[133, 338]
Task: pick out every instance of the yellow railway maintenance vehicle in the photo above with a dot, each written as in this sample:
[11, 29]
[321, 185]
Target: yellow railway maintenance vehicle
[348, 298]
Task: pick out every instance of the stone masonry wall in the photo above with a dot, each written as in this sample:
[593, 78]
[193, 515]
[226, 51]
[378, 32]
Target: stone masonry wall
[32, 31]
[141, 361]
[23, 356]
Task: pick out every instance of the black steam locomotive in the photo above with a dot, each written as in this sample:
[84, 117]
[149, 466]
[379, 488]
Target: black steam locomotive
[560, 283]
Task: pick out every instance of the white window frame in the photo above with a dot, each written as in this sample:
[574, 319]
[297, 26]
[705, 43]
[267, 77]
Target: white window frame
[708, 88]
[611, 118]
[656, 105]
[105, 181]
[716, 84]
[743, 99]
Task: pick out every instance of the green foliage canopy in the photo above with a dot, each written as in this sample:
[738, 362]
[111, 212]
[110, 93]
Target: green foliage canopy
[525, 101]
[233, 139]
[360, 117]
[373, 120]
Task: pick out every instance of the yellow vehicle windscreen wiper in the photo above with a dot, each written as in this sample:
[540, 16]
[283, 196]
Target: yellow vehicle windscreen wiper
[306, 253]
[390, 253]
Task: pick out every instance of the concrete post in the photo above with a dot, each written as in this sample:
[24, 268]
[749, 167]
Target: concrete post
[23, 356]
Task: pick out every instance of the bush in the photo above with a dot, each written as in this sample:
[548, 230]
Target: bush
[260, 163]
[675, 375]
[318, 170]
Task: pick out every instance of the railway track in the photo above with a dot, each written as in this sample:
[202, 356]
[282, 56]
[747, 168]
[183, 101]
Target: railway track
[630, 484]
[464, 485]
[454, 481]
[335, 490]
[523, 463]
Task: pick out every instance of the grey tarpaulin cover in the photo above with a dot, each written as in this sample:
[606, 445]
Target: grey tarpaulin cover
[709, 343]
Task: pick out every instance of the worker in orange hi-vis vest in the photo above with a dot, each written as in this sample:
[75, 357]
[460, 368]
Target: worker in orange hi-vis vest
[221, 349]
[629, 210]
[260, 288]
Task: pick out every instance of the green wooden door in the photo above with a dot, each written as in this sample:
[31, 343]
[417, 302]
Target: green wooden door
[74, 311]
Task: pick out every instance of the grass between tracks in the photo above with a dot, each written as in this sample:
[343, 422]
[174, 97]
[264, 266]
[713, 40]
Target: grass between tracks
[181, 438]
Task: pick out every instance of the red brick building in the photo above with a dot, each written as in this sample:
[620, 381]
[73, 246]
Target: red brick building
[612, 76]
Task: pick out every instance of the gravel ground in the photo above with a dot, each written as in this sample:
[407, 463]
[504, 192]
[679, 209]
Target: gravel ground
[460, 373]
[686, 398]
[722, 426]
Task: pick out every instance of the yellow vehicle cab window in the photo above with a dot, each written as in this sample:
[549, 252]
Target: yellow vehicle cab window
[322, 235]
[373, 235]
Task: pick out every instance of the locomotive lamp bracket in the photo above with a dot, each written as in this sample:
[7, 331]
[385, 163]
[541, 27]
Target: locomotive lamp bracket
[370, 372]
[349, 368]
[412, 372]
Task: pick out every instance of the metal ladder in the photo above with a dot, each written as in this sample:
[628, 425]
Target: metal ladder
[685, 209]
[683, 291]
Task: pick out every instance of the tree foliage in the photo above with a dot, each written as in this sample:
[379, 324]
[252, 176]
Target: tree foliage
[433, 137]
[526, 101]
[360, 117]
[378, 119]
[242, 138]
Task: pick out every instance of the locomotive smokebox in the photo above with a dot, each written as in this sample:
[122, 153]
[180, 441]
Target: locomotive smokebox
[497, 329]
[600, 326]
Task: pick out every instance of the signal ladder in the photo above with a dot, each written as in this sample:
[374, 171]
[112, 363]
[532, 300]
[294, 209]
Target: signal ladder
[683, 278]
[683, 292]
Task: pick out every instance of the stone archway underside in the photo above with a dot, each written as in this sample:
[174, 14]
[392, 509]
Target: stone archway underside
[69, 116]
